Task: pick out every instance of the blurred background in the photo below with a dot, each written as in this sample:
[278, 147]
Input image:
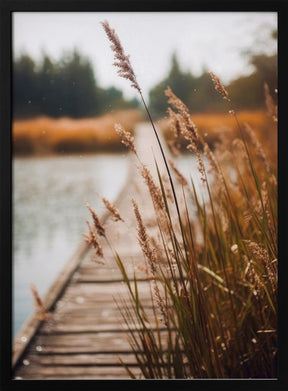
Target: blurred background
[67, 97]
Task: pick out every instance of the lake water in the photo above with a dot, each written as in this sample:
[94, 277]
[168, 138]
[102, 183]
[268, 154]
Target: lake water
[49, 215]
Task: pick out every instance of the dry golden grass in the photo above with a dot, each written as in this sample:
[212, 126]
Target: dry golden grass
[213, 273]
[216, 297]
[45, 135]
[48, 135]
[215, 126]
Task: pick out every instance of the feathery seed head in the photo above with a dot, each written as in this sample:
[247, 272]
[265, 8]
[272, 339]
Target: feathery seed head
[182, 180]
[270, 106]
[92, 240]
[154, 190]
[42, 313]
[122, 60]
[219, 86]
[98, 225]
[184, 121]
[258, 147]
[125, 137]
[112, 209]
[174, 144]
[176, 102]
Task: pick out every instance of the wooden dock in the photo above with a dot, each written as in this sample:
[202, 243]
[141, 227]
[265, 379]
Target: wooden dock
[84, 337]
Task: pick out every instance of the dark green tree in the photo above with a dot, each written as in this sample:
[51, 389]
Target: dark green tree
[66, 87]
[47, 87]
[247, 91]
[76, 87]
[112, 98]
[199, 95]
[196, 92]
[181, 83]
[25, 86]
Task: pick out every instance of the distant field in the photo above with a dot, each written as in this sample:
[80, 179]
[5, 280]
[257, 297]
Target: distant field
[45, 135]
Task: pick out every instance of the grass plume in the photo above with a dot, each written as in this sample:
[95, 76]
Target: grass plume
[112, 209]
[42, 314]
[122, 60]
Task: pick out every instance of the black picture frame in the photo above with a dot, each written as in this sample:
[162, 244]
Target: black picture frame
[7, 8]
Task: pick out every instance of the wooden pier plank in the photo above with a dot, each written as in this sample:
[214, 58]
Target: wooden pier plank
[79, 359]
[54, 372]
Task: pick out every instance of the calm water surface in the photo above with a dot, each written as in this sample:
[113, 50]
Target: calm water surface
[49, 215]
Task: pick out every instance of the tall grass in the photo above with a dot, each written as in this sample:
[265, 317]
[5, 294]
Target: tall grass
[213, 263]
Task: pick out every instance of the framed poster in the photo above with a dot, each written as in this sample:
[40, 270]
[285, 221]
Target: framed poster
[141, 209]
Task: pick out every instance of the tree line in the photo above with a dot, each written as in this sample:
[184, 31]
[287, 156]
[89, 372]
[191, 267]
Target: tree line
[199, 95]
[68, 87]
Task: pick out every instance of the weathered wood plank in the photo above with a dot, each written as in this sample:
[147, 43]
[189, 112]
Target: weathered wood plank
[76, 372]
[81, 359]
[103, 320]
[102, 308]
[99, 292]
[86, 329]
[99, 376]
[67, 349]
[104, 341]
[101, 273]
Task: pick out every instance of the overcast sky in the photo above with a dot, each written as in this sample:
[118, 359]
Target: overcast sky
[202, 40]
